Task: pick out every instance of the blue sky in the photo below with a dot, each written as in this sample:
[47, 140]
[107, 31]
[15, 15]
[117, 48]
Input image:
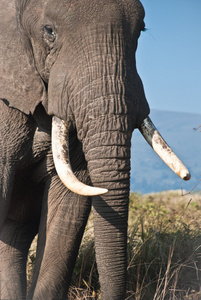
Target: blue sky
[169, 55]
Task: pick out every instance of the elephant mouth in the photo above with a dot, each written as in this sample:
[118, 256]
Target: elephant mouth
[60, 149]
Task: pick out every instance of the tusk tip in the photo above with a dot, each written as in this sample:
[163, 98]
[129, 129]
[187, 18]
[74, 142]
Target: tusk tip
[186, 176]
[102, 191]
[91, 191]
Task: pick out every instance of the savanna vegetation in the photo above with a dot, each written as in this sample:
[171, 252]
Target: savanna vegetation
[164, 250]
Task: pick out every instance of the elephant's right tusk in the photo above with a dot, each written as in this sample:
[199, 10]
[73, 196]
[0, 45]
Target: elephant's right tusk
[156, 141]
[60, 149]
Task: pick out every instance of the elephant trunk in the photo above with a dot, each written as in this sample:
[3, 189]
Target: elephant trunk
[107, 152]
[110, 213]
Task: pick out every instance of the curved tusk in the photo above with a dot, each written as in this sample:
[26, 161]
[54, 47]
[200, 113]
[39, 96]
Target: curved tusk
[60, 149]
[155, 140]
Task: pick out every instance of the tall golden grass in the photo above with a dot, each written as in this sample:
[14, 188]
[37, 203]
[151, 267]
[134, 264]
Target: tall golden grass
[164, 250]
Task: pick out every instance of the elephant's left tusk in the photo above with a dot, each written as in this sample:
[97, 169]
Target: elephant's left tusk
[156, 141]
[60, 149]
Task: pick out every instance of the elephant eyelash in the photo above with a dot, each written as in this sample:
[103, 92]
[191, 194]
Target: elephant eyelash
[143, 27]
[49, 33]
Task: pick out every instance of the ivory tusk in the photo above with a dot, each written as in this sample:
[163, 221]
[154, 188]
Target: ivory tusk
[60, 149]
[155, 140]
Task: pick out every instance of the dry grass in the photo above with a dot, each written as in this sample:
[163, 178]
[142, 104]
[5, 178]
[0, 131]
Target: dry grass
[164, 241]
[164, 250]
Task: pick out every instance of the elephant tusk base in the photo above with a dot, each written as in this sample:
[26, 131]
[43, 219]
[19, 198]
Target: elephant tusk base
[159, 145]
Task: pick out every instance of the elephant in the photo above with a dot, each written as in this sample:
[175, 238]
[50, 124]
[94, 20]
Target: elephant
[71, 97]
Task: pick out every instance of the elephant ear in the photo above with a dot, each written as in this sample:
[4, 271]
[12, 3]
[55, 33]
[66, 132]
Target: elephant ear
[21, 86]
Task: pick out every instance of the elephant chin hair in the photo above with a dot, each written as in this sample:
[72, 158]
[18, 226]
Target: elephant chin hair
[60, 149]
[155, 140]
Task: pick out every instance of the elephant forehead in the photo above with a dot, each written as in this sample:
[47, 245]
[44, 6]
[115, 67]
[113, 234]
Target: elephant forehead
[85, 12]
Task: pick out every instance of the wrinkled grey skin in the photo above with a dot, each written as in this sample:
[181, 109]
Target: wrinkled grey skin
[74, 59]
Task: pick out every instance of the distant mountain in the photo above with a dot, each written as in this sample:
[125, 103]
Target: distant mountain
[148, 172]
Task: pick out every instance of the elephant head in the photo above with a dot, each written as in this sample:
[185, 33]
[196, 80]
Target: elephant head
[77, 58]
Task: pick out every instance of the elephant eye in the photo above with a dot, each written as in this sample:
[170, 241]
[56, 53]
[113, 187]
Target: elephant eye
[49, 33]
